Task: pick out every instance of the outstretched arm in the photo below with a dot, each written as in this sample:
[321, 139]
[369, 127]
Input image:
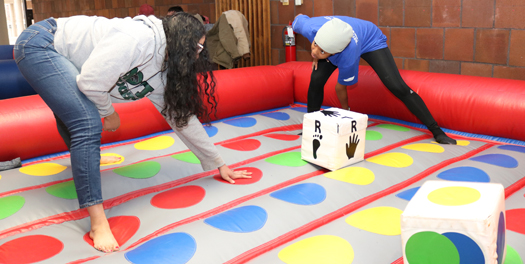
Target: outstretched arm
[342, 95]
[197, 140]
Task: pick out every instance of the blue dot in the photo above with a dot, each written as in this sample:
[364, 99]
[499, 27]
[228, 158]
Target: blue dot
[513, 148]
[211, 130]
[501, 160]
[303, 194]
[408, 194]
[177, 248]
[300, 109]
[278, 115]
[468, 174]
[242, 122]
[240, 220]
[500, 242]
[469, 251]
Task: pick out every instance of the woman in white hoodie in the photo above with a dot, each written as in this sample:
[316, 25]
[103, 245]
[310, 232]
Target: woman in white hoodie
[81, 65]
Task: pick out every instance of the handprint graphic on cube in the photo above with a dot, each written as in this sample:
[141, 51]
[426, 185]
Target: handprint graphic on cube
[350, 149]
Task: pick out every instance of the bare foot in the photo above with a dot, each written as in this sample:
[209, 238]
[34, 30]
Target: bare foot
[103, 239]
[109, 159]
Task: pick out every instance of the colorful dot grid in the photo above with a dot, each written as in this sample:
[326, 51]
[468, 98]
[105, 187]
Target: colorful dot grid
[375, 218]
[207, 220]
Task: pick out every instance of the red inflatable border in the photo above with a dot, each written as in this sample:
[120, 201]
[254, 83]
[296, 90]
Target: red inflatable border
[479, 105]
[29, 128]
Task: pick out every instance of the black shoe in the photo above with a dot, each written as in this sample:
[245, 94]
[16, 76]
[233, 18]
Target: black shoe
[444, 139]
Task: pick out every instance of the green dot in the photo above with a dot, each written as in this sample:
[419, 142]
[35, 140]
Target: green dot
[431, 248]
[10, 205]
[394, 127]
[512, 256]
[290, 159]
[65, 190]
[373, 135]
[141, 170]
[187, 157]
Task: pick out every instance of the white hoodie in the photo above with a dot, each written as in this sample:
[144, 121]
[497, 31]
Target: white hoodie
[120, 59]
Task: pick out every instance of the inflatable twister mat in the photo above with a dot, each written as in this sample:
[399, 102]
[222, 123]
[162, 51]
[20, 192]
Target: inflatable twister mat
[163, 208]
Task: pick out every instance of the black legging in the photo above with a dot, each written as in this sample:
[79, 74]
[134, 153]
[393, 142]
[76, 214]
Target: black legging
[384, 65]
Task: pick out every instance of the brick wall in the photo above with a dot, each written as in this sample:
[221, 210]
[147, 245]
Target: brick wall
[43, 9]
[470, 37]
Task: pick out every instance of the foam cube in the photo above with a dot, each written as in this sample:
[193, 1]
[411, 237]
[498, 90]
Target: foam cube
[334, 138]
[455, 222]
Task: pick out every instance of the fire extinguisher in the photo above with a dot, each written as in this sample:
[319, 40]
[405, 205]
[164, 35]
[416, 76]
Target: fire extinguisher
[289, 42]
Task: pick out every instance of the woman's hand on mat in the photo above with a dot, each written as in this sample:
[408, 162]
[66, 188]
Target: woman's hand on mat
[228, 175]
[111, 122]
[314, 64]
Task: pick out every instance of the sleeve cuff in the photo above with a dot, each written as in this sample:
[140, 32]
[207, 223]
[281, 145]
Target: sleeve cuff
[211, 164]
[106, 112]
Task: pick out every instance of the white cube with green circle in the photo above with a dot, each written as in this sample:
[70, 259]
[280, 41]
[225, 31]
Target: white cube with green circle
[454, 222]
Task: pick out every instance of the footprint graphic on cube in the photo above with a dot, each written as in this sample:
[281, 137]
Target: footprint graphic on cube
[316, 143]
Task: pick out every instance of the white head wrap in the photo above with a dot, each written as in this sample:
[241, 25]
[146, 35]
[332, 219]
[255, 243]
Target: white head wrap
[334, 36]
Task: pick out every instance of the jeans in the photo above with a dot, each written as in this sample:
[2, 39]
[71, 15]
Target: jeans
[53, 77]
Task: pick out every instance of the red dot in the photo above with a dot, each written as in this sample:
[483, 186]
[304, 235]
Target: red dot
[515, 220]
[243, 145]
[30, 249]
[122, 227]
[181, 197]
[256, 176]
[286, 137]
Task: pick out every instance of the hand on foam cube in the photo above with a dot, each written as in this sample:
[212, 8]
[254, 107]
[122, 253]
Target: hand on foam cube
[334, 138]
[455, 222]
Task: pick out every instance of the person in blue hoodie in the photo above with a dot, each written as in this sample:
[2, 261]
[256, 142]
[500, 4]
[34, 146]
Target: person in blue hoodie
[81, 65]
[340, 42]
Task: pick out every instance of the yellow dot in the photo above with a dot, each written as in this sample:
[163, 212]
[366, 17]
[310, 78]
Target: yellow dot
[354, 175]
[114, 155]
[156, 143]
[43, 169]
[453, 196]
[324, 249]
[394, 159]
[425, 147]
[463, 142]
[383, 220]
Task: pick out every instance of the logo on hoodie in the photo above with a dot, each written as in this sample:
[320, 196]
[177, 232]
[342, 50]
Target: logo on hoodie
[131, 81]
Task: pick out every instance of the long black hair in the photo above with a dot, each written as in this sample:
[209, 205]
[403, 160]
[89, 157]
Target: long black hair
[189, 78]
